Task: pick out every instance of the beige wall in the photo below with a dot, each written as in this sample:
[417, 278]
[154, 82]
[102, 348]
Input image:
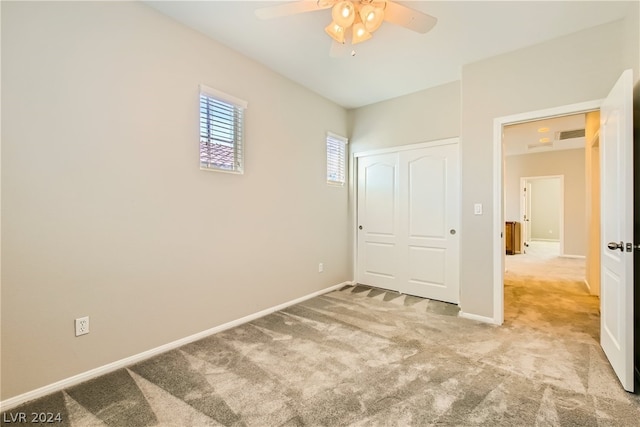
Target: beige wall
[585, 66]
[423, 116]
[631, 43]
[570, 164]
[546, 208]
[592, 170]
[105, 212]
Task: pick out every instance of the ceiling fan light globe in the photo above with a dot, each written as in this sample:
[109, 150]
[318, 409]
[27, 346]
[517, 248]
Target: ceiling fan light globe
[343, 13]
[372, 17]
[360, 33]
[335, 31]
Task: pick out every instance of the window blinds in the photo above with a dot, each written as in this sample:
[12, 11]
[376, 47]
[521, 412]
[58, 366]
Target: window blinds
[336, 159]
[221, 131]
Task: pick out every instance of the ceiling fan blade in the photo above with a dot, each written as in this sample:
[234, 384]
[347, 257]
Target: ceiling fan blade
[409, 18]
[291, 8]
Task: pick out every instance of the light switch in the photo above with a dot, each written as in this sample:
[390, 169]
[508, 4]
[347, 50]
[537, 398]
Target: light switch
[477, 209]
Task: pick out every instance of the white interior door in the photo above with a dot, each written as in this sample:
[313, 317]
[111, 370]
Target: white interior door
[430, 207]
[616, 166]
[408, 216]
[527, 221]
[378, 213]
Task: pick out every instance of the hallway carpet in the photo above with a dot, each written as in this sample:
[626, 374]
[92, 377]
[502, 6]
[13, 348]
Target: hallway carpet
[367, 357]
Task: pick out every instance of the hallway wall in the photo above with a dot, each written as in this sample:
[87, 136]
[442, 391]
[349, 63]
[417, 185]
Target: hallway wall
[570, 164]
[546, 207]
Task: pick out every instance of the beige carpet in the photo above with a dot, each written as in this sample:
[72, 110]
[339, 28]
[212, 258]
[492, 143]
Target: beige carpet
[368, 357]
[543, 290]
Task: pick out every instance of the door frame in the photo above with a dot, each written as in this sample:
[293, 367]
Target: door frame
[353, 168]
[523, 181]
[498, 188]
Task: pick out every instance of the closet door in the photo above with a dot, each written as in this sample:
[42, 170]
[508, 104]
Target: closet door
[408, 216]
[430, 205]
[378, 220]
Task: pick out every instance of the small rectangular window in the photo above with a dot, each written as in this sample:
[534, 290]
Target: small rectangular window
[336, 159]
[221, 131]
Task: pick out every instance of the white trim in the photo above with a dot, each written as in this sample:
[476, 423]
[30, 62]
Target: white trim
[498, 190]
[408, 147]
[225, 97]
[338, 136]
[482, 319]
[232, 171]
[353, 205]
[573, 256]
[85, 376]
[564, 110]
[498, 227]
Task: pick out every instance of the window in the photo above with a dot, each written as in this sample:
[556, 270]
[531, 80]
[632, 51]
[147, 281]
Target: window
[336, 158]
[221, 131]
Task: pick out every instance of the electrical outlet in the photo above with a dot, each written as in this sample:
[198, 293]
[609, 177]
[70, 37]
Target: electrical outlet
[320, 268]
[82, 326]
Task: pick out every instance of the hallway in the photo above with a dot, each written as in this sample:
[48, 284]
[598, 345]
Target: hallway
[543, 290]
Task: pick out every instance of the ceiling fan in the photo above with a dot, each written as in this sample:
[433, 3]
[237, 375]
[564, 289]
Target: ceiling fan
[363, 17]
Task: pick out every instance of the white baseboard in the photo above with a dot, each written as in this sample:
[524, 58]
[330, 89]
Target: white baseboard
[93, 373]
[573, 256]
[477, 317]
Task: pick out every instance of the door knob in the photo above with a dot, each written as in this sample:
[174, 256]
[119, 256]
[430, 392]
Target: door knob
[613, 246]
[452, 231]
[360, 227]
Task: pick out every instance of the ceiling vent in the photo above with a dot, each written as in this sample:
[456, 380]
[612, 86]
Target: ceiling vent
[569, 134]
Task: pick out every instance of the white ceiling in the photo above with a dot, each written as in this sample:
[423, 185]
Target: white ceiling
[524, 138]
[396, 61]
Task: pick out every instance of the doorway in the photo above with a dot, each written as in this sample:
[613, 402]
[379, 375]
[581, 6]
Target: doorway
[501, 186]
[616, 209]
[542, 214]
